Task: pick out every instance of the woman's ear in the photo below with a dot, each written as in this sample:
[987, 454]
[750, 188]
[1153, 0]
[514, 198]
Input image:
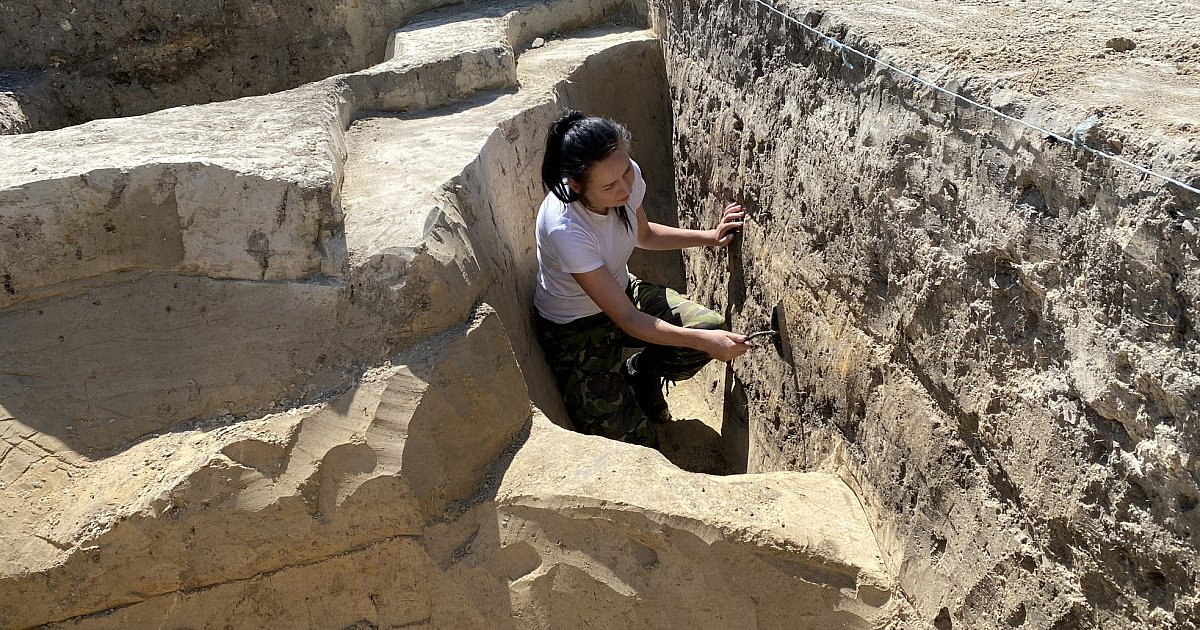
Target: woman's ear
[575, 186]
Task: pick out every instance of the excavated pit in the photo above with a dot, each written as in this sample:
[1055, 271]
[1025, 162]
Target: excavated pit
[269, 361]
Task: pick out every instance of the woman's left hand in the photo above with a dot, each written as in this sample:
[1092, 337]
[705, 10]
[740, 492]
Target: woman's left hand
[732, 219]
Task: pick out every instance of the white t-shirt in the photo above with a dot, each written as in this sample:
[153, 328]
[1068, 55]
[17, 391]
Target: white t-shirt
[571, 239]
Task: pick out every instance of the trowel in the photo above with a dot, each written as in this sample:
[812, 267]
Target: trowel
[777, 334]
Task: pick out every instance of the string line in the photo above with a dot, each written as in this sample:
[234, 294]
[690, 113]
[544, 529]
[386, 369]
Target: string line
[1077, 135]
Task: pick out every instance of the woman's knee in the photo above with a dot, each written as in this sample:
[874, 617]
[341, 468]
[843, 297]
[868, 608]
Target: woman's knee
[701, 318]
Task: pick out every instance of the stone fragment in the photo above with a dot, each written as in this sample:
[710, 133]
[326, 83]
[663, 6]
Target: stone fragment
[1120, 44]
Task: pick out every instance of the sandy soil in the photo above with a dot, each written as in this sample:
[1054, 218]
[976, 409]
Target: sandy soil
[692, 440]
[1137, 64]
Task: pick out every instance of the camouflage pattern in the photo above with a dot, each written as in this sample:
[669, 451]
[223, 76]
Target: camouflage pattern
[671, 362]
[586, 355]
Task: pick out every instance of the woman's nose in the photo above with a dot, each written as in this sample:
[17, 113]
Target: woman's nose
[626, 187]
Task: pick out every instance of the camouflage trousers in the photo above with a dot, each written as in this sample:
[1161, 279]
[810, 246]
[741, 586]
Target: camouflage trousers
[586, 355]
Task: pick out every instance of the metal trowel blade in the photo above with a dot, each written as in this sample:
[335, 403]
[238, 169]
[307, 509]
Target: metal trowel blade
[780, 339]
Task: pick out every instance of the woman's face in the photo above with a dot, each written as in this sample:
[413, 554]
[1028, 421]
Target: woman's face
[609, 181]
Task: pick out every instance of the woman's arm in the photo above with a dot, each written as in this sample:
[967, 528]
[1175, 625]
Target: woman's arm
[608, 295]
[664, 237]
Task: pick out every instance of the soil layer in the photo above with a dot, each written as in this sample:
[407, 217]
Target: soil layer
[994, 334]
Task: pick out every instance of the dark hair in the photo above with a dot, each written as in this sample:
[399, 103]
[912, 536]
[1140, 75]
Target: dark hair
[574, 143]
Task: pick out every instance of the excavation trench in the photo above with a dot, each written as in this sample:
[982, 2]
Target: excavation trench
[311, 341]
[324, 367]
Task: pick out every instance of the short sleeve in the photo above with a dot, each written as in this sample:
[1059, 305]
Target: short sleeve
[577, 252]
[638, 193]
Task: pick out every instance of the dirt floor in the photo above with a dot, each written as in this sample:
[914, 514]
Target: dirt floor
[692, 440]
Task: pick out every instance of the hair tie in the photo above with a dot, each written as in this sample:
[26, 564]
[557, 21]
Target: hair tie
[567, 122]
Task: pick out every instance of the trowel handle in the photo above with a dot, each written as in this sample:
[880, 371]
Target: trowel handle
[761, 333]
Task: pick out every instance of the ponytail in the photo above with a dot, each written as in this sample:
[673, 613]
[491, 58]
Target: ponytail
[554, 179]
[573, 144]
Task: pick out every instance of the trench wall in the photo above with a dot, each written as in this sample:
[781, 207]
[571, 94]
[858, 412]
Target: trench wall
[994, 337]
[69, 61]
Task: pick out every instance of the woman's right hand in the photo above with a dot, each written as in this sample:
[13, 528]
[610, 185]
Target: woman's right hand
[732, 220]
[723, 345]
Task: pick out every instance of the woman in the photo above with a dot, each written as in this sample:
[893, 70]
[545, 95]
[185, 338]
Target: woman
[588, 305]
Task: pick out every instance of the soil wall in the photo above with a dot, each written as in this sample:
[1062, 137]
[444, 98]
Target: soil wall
[993, 335]
[86, 59]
